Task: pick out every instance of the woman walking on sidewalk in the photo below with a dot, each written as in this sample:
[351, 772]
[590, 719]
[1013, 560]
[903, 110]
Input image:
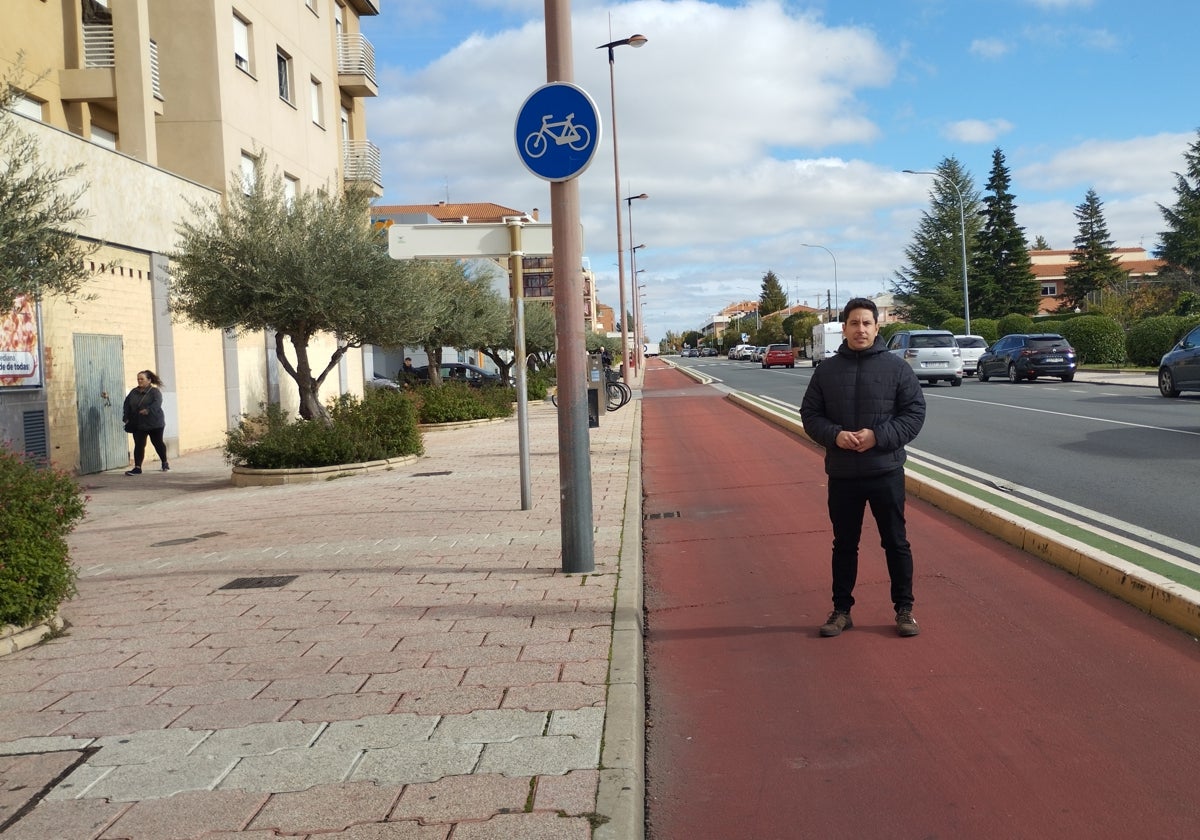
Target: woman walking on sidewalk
[143, 417]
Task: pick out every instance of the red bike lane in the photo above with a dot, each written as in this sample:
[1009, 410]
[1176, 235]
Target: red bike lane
[1032, 705]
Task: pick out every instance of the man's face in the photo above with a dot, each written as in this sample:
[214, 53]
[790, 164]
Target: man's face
[860, 329]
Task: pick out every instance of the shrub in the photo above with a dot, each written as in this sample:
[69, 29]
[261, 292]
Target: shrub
[1150, 338]
[888, 330]
[454, 401]
[39, 506]
[985, 328]
[1014, 323]
[1097, 339]
[381, 425]
[958, 326]
[538, 382]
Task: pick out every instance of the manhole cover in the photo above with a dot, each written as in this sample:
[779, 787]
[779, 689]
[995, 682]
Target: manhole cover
[179, 541]
[671, 515]
[259, 582]
[210, 534]
[423, 475]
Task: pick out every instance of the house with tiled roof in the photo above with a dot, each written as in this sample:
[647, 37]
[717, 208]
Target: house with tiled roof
[1050, 268]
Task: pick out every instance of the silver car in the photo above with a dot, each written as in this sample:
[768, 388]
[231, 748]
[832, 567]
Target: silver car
[932, 354]
[970, 347]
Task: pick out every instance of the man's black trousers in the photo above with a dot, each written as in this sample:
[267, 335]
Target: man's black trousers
[848, 498]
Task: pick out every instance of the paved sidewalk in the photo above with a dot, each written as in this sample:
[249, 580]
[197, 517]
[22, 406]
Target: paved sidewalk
[407, 662]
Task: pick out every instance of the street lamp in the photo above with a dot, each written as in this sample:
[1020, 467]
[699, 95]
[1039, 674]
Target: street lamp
[637, 320]
[632, 41]
[962, 221]
[836, 307]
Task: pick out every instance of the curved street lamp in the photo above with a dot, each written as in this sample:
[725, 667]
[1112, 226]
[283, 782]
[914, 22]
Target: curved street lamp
[633, 273]
[632, 41]
[962, 221]
[836, 305]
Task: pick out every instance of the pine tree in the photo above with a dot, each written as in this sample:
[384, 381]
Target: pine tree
[1040, 244]
[1002, 280]
[1093, 265]
[772, 298]
[1181, 242]
[929, 289]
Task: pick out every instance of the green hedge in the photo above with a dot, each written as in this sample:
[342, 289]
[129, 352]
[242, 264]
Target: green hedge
[39, 507]
[453, 401]
[1150, 338]
[1097, 339]
[383, 424]
[1014, 323]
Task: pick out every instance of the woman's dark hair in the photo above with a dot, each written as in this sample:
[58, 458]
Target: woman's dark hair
[152, 376]
[860, 303]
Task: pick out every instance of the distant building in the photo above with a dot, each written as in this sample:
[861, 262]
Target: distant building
[1050, 269]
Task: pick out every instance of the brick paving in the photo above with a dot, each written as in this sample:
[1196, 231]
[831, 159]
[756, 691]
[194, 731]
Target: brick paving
[430, 672]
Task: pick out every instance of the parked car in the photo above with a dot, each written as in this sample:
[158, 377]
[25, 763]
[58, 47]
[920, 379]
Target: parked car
[460, 372]
[970, 347]
[1179, 369]
[779, 354]
[1028, 356]
[708, 351]
[932, 354]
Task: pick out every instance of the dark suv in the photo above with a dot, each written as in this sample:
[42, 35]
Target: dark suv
[1028, 356]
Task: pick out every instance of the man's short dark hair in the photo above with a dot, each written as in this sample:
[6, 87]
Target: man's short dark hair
[860, 303]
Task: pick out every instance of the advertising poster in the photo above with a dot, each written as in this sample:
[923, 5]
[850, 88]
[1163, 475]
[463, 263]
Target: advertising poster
[20, 345]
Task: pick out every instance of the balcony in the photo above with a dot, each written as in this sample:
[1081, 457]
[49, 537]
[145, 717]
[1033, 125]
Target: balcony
[96, 80]
[356, 66]
[362, 164]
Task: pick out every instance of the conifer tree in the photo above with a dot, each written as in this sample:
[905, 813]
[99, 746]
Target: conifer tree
[1002, 281]
[929, 289]
[1093, 265]
[1180, 243]
[772, 298]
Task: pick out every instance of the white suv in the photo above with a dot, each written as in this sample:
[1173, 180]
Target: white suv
[932, 354]
[971, 347]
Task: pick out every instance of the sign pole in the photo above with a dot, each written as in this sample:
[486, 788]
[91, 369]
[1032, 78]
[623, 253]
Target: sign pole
[575, 471]
[516, 272]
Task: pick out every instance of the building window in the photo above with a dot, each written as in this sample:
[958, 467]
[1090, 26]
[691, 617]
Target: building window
[283, 62]
[318, 112]
[104, 137]
[249, 172]
[1049, 290]
[291, 186]
[28, 107]
[312, 6]
[241, 43]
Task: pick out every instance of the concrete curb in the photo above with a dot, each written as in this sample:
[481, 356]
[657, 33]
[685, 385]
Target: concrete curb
[248, 477]
[1159, 596]
[13, 638]
[621, 794]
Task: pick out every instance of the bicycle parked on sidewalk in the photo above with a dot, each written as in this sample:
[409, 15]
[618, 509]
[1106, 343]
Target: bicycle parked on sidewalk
[616, 392]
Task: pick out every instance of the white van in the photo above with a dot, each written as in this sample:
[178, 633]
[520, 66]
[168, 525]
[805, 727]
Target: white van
[827, 338]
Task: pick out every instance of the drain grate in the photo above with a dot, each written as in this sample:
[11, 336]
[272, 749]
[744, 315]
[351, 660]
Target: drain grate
[669, 515]
[259, 582]
[210, 534]
[425, 474]
[179, 541]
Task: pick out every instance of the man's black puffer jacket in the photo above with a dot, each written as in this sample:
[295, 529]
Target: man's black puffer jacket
[863, 389]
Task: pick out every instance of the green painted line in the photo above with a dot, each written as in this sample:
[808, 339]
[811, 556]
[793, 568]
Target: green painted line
[1067, 529]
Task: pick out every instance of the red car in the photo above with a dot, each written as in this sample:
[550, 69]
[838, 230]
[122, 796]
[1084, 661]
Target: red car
[779, 354]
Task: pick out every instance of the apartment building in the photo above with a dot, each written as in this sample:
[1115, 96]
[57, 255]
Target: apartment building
[166, 105]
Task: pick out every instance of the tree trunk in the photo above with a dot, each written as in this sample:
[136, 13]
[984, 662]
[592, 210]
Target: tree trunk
[433, 357]
[306, 384]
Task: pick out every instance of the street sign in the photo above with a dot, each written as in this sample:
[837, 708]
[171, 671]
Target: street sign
[558, 131]
[469, 241]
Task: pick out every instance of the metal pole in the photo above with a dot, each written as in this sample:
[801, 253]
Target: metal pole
[574, 460]
[515, 259]
[835, 306]
[612, 86]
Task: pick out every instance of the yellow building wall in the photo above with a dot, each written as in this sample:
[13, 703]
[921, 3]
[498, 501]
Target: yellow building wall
[199, 386]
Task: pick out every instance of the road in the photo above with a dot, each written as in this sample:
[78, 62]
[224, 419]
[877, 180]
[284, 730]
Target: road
[1123, 458]
[1030, 706]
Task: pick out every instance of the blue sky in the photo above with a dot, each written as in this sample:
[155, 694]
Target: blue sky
[757, 126]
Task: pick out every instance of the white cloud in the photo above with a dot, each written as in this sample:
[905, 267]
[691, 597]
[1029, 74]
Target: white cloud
[990, 47]
[1113, 167]
[976, 131]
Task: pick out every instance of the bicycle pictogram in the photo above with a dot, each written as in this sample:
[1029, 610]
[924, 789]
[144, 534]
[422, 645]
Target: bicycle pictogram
[563, 133]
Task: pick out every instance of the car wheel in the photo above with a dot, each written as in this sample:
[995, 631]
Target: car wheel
[1068, 377]
[765, 367]
[956, 381]
[1013, 376]
[1166, 383]
[791, 367]
[983, 377]
[1033, 377]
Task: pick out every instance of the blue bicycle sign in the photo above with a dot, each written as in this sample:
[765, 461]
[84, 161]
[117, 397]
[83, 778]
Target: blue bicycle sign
[557, 131]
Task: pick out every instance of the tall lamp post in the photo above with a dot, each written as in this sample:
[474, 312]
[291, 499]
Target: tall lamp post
[836, 306]
[962, 221]
[637, 310]
[632, 41]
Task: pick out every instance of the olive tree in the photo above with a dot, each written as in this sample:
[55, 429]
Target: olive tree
[297, 266]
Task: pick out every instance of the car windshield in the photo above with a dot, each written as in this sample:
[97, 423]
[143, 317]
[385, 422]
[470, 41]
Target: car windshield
[1054, 342]
[780, 348]
[971, 341]
[919, 341]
